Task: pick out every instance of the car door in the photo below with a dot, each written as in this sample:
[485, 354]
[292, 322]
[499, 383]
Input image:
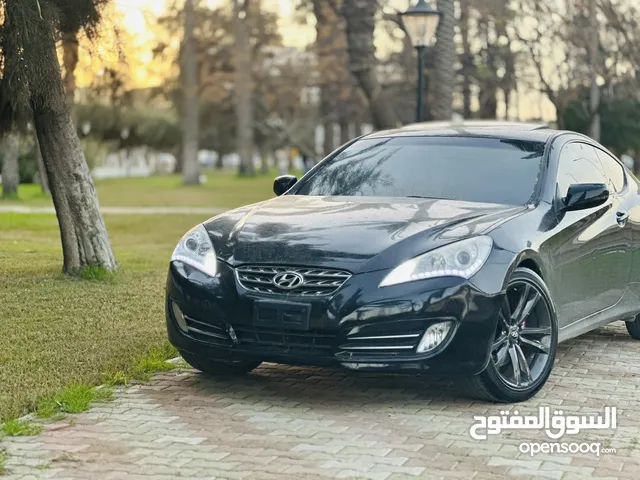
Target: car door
[626, 186]
[591, 248]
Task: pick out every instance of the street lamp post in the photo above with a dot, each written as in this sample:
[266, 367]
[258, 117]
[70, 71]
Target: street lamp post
[421, 22]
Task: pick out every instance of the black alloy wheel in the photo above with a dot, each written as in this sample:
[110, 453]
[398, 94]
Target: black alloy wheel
[524, 343]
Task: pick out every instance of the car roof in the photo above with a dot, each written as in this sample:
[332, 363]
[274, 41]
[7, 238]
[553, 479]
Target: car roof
[472, 128]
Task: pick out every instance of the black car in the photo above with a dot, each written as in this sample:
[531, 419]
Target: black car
[468, 249]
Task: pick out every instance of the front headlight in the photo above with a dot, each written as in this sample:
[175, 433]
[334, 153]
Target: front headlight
[196, 249]
[459, 259]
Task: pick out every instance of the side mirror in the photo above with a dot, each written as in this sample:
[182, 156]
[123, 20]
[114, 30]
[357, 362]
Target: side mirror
[283, 183]
[585, 195]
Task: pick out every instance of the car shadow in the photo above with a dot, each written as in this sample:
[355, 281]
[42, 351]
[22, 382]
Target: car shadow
[314, 387]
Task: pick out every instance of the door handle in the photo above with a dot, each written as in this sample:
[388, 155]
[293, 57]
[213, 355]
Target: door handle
[622, 217]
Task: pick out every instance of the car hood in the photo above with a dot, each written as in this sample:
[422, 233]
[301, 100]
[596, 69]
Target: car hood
[358, 234]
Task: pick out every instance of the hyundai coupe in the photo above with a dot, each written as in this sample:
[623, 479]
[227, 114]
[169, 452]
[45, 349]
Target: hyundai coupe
[466, 249]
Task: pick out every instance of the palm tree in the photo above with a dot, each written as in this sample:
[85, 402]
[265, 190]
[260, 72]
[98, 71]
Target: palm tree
[445, 59]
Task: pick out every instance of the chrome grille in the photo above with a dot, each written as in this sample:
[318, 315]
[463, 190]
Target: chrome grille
[317, 281]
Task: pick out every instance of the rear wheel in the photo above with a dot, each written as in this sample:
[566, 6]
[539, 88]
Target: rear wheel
[219, 367]
[524, 344]
[633, 327]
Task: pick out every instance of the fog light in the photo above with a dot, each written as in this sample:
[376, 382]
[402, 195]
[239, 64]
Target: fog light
[434, 336]
[179, 316]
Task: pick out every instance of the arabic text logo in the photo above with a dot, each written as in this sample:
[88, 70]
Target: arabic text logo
[555, 426]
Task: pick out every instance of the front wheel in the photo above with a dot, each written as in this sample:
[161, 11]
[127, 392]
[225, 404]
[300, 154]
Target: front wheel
[219, 367]
[524, 343]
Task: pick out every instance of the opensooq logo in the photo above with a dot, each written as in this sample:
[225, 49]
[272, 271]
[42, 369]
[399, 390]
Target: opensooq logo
[555, 426]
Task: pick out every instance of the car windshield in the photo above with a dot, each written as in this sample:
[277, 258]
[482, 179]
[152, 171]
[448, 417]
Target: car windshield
[489, 170]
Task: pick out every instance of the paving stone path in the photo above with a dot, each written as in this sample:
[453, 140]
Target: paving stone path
[305, 423]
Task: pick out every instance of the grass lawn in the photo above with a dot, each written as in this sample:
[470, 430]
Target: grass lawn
[221, 190]
[55, 331]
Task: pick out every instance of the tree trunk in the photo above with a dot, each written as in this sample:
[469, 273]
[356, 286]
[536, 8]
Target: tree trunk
[264, 162]
[10, 165]
[190, 125]
[487, 96]
[488, 102]
[467, 58]
[83, 233]
[42, 172]
[344, 131]
[594, 94]
[328, 143]
[177, 153]
[445, 59]
[360, 17]
[325, 52]
[559, 116]
[357, 124]
[507, 102]
[244, 106]
[70, 61]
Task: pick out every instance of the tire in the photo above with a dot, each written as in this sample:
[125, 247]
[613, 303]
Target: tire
[492, 384]
[633, 327]
[219, 368]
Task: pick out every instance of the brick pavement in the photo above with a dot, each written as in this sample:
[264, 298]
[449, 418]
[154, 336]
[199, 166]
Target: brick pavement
[305, 423]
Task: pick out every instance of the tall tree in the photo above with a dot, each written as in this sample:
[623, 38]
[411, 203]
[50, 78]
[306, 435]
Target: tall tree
[445, 61]
[594, 95]
[244, 104]
[554, 30]
[340, 99]
[360, 16]
[278, 75]
[467, 56]
[327, 42]
[190, 108]
[34, 80]
[9, 152]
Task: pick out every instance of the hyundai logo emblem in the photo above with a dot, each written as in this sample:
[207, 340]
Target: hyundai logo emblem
[288, 280]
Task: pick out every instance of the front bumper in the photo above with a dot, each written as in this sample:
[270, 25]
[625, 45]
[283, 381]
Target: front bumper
[360, 327]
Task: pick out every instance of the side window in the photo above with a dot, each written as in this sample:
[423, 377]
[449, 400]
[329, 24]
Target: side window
[579, 163]
[614, 170]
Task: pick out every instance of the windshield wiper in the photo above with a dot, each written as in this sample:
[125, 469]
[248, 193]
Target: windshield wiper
[420, 196]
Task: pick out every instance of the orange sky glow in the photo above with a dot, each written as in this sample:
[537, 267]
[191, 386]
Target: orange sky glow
[135, 20]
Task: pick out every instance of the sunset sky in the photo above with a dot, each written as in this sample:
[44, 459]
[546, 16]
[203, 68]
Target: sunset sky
[138, 10]
[137, 16]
